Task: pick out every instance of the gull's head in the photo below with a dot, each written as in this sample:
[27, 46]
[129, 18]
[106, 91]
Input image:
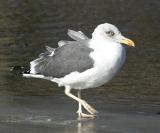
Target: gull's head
[111, 33]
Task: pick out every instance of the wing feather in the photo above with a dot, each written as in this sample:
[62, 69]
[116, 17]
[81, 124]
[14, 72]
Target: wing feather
[67, 59]
[70, 56]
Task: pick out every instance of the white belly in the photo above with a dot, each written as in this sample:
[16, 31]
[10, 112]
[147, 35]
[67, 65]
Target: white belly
[107, 62]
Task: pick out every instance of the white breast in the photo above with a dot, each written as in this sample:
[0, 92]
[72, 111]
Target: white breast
[108, 58]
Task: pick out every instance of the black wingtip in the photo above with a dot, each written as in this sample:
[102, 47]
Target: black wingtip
[19, 70]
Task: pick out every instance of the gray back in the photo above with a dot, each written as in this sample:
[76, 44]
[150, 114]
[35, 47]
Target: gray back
[67, 59]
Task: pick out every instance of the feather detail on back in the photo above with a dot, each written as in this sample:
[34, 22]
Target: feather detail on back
[78, 36]
[44, 61]
[39, 64]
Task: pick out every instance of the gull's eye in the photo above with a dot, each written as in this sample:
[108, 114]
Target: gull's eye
[110, 33]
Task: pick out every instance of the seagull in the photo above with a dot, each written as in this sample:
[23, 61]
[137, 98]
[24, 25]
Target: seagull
[83, 62]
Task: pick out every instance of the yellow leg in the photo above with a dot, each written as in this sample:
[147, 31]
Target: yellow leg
[83, 103]
[80, 113]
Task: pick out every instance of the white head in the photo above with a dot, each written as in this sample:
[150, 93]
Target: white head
[111, 33]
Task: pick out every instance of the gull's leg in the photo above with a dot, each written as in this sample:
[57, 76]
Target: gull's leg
[79, 105]
[80, 113]
[90, 109]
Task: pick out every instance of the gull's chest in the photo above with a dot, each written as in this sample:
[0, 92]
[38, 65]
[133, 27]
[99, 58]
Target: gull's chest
[108, 55]
[107, 62]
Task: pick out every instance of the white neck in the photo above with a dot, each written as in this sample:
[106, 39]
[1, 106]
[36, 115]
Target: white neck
[103, 42]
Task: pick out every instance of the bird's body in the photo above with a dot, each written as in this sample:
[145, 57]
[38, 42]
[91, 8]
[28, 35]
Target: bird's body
[83, 63]
[107, 61]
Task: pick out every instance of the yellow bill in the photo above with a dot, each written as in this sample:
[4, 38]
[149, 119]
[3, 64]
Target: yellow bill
[128, 42]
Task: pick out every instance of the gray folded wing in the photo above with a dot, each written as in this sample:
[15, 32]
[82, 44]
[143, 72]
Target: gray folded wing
[70, 57]
[67, 59]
